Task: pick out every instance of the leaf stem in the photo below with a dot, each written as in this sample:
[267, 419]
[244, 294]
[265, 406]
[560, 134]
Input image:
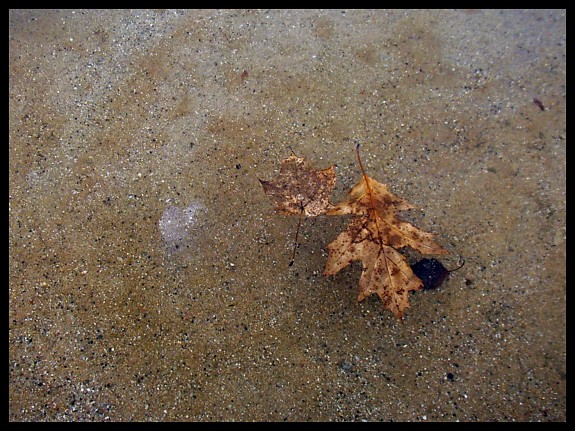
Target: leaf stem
[296, 235]
[359, 160]
[372, 210]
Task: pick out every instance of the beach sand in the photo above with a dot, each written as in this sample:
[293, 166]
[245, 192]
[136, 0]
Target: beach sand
[149, 276]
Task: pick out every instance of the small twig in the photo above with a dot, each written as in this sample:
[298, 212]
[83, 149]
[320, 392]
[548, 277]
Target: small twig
[296, 234]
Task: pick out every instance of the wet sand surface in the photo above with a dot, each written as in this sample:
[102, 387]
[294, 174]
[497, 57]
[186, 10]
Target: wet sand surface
[149, 276]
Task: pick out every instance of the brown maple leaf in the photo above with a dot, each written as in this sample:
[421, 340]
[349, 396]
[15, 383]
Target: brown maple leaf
[300, 188]
[373, 236]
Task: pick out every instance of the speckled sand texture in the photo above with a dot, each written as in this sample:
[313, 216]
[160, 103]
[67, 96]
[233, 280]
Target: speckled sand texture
[149, 275]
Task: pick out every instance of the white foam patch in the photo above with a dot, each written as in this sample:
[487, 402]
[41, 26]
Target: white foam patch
[177, 224]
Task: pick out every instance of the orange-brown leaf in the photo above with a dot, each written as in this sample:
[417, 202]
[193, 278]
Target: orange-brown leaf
[373, 236]
[359, 200]
[385, 270]
[371, 198]
[300, 188]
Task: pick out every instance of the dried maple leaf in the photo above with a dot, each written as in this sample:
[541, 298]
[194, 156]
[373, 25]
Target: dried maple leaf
[371, 198]
[300, 188]
[373, 236]
[385, 270]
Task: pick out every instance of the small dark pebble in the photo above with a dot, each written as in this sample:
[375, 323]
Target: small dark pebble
[450, 377]
[539, 104]
[431, 272]
[346, 366]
